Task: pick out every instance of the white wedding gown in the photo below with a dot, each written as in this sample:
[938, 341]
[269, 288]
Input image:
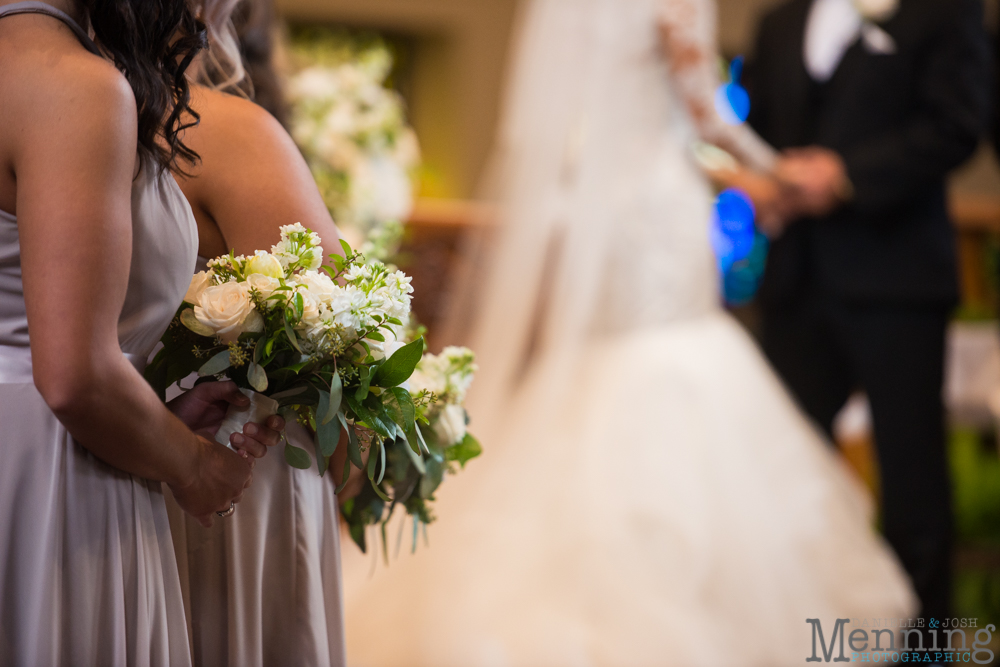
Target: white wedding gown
[649, 494]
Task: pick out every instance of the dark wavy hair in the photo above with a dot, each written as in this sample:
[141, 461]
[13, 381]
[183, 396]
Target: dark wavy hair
[152, 42]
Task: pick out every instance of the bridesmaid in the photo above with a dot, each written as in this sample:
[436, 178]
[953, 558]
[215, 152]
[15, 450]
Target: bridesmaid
[96, 250]
[263, 588]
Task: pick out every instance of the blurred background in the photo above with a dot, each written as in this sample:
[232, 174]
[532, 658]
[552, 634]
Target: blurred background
[443, 63]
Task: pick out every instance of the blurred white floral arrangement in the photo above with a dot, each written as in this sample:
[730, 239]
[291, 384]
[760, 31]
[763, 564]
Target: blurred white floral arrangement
[352, 129]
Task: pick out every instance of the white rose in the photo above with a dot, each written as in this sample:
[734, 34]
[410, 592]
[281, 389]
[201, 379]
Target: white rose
[228, 311]
[263, 283]
[200, 281]
[450, 425]
[319, 285]
[265, 264]
[876, 10]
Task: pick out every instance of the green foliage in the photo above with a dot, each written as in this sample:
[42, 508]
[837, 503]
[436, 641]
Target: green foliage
[468, 449]
[975, 470]
[399, 367]
[297, 457]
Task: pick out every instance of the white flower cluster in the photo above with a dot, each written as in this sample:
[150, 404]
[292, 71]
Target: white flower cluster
[335, 315]
[236, 295]
[448, 376]
[354, 134]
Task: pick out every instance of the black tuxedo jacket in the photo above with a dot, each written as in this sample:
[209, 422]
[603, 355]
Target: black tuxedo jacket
[901, 122]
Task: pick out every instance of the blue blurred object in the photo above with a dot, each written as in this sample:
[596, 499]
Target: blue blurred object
[732, 230]
[741, 282]
[732, 102]
[740, 249]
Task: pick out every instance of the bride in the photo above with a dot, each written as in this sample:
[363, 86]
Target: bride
[649, 495]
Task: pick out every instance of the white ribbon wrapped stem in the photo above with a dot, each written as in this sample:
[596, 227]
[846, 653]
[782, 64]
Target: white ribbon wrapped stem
[261, 407]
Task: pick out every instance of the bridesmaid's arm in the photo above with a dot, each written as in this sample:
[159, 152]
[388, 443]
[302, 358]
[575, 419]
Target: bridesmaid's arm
[74, 157]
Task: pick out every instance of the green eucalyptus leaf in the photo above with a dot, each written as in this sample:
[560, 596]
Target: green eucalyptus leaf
[328, 436]
[292, 338]
[364, 374]
[215, 365]
[325, 412]
[297, 457]
[346, 478]
[372, 460]
[420, 439]
[415, 457]
[189, 320]
[322, 460]
[379, 492]
[399, 367]
[288, 393]
[336, 395]
[381, 452]
[257, 377]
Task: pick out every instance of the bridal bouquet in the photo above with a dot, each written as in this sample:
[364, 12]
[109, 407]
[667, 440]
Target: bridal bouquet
[315, 342]
[439, 384]
[353, 131]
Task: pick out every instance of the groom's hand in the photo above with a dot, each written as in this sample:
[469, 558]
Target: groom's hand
[815, 180]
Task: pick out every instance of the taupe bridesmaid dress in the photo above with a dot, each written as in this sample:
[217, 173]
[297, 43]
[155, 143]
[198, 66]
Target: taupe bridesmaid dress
[264, 585]
[87, 569]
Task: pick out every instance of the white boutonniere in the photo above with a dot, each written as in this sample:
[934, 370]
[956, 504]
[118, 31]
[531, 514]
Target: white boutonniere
[876, 11]
[877, 40]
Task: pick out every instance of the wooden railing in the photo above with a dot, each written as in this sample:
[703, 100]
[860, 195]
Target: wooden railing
[437, 228]
[977, 218]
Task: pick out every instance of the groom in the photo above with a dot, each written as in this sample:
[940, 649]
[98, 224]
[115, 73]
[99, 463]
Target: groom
[872, 112]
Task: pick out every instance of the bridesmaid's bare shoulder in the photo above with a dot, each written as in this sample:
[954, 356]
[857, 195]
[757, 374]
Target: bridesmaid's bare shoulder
[55, 96]
[45, 62]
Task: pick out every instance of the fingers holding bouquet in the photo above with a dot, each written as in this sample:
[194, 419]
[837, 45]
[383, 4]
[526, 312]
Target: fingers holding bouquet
[203, 408]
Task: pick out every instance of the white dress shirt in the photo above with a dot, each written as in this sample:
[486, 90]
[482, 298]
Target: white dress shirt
[832, 27]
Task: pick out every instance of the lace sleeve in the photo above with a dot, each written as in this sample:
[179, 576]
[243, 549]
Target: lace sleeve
[688, 31]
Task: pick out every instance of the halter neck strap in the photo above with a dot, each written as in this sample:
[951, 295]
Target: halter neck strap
[35, 7]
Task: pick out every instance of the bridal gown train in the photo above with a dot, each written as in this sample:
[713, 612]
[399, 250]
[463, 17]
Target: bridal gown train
[649, 494]
[87, 569]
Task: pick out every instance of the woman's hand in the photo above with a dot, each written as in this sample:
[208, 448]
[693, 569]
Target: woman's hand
[203, 408]
[219, 477]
